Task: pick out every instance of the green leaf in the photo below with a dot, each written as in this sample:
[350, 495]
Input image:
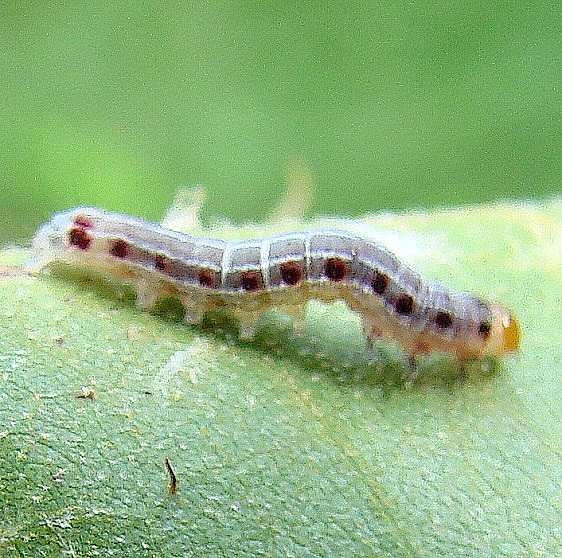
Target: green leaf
[286, 447]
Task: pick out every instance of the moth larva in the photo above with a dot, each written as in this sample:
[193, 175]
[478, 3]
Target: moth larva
[283, 271]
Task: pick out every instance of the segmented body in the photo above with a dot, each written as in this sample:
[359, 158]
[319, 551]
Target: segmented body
[283, 271]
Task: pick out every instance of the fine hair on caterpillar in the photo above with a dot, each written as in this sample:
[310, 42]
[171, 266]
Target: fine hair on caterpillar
[283, 272]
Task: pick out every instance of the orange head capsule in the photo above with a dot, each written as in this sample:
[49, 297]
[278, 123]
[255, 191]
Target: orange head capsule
[505, 334]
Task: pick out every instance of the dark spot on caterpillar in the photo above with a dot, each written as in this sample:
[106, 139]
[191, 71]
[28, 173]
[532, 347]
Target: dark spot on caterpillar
[119, 249]
[161, 263]
[83, 221]
[80, 238]
[379, 283]
[404, 304]
[443, 320]
[335, 269]
[484, 329]
[250, 281]
[206, 279]
[291, 273]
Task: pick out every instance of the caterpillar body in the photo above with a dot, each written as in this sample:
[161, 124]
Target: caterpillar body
[284, 272]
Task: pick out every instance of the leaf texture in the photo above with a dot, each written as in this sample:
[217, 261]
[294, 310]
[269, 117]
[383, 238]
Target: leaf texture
[284, 447]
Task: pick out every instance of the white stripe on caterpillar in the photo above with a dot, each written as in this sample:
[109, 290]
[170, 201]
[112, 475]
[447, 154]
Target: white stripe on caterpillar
[284, 271]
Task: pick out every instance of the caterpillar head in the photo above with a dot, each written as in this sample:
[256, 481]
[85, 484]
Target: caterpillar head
[504, 334]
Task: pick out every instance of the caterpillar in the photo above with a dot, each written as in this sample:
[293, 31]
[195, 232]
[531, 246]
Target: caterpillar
[284, 272]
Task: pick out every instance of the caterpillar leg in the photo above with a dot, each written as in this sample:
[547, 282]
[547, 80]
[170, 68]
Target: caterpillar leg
[413, 360]
[146, 295]
[413, 370]
[297, 313]
[194, 310]
[247, 323]
[193, 315]
[371, 332]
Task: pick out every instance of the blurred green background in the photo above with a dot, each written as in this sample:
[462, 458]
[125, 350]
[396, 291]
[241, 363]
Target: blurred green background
[385, 104]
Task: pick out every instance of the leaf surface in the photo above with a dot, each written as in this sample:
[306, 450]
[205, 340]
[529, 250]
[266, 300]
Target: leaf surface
[286, 447]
